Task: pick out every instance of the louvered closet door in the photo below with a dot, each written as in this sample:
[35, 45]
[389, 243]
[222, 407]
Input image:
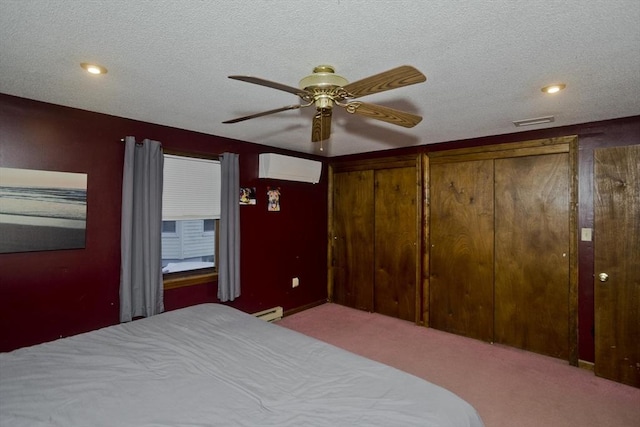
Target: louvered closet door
[461, 253]
[532, 253]
[353, 244]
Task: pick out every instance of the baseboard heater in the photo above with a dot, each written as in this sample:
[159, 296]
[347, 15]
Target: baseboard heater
[270, 315]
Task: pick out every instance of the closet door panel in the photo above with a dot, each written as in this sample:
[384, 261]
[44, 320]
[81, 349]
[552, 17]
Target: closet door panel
[395, 242]
[532, 253]
[353, 218]
[461, 248]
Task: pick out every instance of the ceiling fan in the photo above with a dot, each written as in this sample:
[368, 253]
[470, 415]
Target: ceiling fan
[324, 89]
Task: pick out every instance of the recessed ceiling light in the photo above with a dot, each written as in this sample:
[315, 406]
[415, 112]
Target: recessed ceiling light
[93, 68]
[554, 88]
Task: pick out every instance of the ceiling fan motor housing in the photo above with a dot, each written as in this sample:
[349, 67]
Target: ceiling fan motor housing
[322, 83]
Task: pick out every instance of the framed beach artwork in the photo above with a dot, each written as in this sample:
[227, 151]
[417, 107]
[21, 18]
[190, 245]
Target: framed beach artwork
[42, 210]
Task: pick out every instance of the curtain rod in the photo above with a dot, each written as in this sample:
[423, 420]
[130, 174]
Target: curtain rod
[137, 142]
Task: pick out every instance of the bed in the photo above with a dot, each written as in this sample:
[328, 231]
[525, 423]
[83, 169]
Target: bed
[212, 365]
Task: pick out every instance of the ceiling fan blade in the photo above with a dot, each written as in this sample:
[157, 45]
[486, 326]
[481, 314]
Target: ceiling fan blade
[321, 128]
[262, 82]
[264, 113]
[404, 75]
[386, 114]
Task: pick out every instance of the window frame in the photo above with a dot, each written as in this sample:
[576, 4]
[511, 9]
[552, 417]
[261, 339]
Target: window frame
[200, 276]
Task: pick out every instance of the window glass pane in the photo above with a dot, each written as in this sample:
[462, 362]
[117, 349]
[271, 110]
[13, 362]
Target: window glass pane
[190, 211]
[209, 225]
[168, 226]
[189, 248]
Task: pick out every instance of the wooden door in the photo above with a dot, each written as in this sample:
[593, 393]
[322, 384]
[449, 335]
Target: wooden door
[461, 248]
[532, 205]
[353, 239]
[396, 242]
[617, 254]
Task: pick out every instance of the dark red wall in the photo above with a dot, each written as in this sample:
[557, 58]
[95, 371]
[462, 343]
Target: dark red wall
[625, 131]
[46, 295]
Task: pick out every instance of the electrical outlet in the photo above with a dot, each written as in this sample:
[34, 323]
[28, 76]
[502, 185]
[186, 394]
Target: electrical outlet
[295, 282]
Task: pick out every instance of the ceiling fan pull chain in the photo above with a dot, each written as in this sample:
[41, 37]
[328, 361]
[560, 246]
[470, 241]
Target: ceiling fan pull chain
[322, 111]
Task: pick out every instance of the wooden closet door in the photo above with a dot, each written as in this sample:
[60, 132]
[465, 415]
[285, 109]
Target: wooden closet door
[532, 198]
[353, 240]
[617, 254]
[396, 242]
[461, 252]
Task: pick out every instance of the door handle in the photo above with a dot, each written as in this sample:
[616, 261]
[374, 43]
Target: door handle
[603, 277]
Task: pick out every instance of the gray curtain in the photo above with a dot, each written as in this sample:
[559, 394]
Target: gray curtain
[229, 253]
[141, 253]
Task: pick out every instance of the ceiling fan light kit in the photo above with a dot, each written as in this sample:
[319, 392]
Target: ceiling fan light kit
[324, 88]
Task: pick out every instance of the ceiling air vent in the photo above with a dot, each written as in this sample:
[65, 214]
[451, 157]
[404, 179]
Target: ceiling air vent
[536, 121]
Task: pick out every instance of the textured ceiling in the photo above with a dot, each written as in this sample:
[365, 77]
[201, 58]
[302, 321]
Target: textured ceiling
[485, 63]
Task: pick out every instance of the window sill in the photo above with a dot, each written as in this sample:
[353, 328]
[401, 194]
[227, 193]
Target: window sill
[174, 282]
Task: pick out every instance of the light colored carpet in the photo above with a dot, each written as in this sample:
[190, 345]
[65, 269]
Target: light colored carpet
[508, 387]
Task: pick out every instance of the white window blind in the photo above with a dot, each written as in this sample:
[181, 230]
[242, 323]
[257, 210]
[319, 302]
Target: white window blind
[191, 188]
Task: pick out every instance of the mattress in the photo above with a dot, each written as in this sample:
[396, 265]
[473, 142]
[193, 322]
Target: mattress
[212, 365]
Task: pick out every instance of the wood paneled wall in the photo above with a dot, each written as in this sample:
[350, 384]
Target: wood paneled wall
[609, 133]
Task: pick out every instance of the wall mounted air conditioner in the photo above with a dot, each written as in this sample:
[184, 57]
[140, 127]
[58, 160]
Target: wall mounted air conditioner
[289, 168]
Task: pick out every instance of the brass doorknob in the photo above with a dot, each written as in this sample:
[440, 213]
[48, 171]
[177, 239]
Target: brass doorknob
[603, 277]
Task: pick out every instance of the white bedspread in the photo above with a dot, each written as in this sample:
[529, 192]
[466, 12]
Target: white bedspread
[211, 365]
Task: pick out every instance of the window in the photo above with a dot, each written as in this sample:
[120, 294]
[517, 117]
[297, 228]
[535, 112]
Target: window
[168, 227]
[209, 226]
[190, 214]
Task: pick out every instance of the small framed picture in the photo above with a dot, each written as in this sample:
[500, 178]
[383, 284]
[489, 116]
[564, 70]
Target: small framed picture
[273, 197]
[247, 195]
